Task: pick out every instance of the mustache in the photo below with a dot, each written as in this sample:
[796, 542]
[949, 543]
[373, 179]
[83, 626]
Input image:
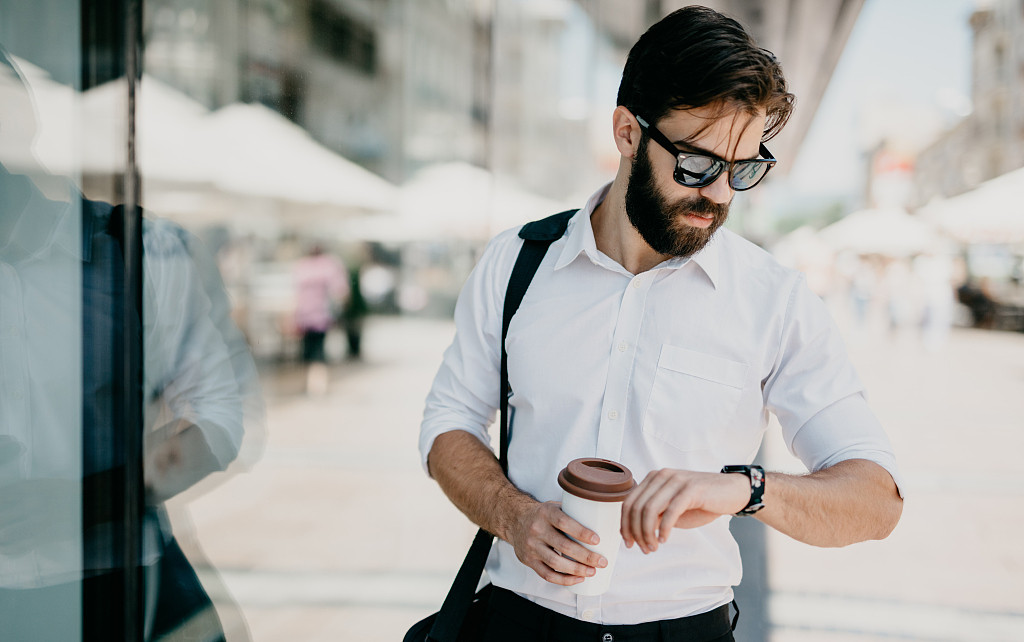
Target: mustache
[702, 206]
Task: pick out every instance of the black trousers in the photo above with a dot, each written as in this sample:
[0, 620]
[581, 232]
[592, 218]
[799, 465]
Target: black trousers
[313, 347]
[511, 618]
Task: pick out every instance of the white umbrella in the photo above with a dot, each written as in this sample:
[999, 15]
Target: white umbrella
[261, 153]
[803, 246]
[459, 200]
[889, 232]
[172, 145]
[991, 213]
[172, 141]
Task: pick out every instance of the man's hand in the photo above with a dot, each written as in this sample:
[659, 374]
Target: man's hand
[541, 538]
[669, 499]
[540, 533]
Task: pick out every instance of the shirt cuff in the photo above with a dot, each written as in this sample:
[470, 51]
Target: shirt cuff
[845, 430]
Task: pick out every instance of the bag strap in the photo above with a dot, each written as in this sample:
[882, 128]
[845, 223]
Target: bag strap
[537, 236]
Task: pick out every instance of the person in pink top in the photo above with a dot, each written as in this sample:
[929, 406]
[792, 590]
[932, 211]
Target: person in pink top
[321, 287]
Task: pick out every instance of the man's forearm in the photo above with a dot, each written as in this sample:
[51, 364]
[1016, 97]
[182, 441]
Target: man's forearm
[471, 477]
[177, 457]
[849, 502]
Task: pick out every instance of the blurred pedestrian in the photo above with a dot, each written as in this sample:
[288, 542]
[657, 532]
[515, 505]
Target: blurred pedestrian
[653, 337]
[977, 295]
[321, 289]
[354, 314]
[863, 287]
[935, 274]
[900, 295]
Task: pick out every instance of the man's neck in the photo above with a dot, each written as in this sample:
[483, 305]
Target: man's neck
[616, 237]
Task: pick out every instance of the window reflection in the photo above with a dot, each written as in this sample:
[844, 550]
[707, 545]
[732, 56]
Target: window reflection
[41, 400]
[63, 430]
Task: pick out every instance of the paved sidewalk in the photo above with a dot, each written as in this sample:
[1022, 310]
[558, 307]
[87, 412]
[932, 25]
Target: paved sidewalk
[953, 569]
[336, 533]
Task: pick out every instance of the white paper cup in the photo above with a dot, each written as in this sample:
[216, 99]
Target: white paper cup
[592, 493]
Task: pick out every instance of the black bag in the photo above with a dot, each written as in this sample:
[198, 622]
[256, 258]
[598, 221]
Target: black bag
[472, 624]
[182, 600]
[463, 613]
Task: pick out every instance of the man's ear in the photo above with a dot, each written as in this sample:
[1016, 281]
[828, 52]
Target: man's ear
[626, 132]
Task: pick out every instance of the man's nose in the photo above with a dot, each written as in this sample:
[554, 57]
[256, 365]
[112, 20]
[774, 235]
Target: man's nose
[719, 191]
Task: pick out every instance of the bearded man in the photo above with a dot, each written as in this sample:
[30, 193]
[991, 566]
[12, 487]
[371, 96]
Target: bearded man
[653, 337]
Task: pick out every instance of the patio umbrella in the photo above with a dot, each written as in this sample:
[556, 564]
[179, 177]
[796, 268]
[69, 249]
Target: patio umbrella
[889, 232]
[991, 213]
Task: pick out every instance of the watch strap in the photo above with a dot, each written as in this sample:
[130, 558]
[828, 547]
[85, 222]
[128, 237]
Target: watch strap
[756, 476]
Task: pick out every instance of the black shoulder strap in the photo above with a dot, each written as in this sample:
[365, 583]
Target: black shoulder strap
[537, 236]
[115, 225]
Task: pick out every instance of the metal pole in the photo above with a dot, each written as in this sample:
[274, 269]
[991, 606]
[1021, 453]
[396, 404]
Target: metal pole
[134, 489]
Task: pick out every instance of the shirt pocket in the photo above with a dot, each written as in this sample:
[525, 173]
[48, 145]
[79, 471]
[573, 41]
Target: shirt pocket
[694, 398]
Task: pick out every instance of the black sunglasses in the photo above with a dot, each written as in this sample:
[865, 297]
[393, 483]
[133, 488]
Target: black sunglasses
[699, 170]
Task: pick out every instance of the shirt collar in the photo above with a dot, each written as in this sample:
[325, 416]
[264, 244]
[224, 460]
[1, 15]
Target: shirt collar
[708, 258]
[580, 241]
[581, 233]
[44, 224]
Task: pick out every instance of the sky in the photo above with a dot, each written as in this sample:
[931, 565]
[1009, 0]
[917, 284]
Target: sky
[904, 76]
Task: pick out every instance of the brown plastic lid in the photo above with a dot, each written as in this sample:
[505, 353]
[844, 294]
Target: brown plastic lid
[600, 480]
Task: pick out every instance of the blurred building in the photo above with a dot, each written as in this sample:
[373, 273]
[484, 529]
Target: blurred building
[384, 83]
[393, 85]
[990, 141]
[396, 85]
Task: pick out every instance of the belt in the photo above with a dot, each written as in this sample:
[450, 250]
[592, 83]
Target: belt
[694, 628]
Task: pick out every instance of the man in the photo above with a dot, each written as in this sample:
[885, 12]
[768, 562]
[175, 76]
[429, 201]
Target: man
[63, 382]
[652, 337]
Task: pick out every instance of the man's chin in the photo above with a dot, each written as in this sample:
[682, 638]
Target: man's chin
[690, 239]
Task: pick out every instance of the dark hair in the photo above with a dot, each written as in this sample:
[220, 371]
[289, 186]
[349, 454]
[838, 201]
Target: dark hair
[697, 57]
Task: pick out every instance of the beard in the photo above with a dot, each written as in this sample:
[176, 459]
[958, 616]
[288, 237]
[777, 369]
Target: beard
[659, 221]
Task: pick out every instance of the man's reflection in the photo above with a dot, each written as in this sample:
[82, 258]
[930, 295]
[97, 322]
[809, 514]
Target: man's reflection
[62, 382]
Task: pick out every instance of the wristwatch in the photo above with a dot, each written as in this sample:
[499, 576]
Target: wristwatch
[756, 475]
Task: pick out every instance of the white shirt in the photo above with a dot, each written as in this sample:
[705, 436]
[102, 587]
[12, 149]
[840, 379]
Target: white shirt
[677, 367]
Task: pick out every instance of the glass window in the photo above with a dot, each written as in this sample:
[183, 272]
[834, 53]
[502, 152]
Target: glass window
[70, 532]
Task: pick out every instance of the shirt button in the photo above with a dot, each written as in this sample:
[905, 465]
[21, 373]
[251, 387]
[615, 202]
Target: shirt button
[607, 637]
[588, 615]
[622, 346]
[613, 414]
[636, 282]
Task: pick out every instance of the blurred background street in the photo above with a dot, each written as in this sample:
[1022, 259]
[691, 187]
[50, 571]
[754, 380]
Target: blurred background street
[339, 165]
[336, 532]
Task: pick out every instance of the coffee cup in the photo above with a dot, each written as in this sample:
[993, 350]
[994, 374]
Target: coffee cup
[592, 493]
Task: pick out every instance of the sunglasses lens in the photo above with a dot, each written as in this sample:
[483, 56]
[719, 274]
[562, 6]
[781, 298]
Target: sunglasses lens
[694, 170]
[746, 175]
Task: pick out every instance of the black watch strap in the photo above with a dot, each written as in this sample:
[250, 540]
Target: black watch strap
[756, 476]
